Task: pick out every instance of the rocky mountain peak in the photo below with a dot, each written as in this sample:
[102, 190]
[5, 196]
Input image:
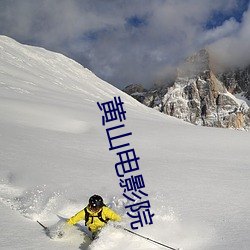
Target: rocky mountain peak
[196, 64]
[200, 96]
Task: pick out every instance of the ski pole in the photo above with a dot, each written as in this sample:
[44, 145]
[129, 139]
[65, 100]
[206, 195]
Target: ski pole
[45, 228]
[159, 243]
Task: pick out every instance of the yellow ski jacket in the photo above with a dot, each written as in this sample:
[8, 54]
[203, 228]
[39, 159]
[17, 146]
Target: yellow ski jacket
[94, 223]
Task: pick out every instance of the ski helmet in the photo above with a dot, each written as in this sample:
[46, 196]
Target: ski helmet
[95, 202]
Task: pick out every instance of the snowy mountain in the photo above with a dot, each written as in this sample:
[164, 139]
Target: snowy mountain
[55, 155]
[201, 95]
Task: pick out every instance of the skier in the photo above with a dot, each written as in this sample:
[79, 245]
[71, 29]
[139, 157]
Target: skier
[95, 214]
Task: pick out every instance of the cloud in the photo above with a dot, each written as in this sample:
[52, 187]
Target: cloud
[233, 49]
[228, 28]
[125, 42]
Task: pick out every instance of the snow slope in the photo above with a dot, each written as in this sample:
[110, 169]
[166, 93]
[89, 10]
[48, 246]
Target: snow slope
[55, 153]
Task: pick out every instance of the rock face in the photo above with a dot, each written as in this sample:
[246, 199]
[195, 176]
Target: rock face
[137, 91]
[201, 97]
[237, 81]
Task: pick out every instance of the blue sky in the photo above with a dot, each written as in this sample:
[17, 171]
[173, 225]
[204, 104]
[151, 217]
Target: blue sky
[218, 17]
[131, 41]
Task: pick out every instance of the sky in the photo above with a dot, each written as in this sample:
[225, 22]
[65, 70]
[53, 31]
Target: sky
[135, 41]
